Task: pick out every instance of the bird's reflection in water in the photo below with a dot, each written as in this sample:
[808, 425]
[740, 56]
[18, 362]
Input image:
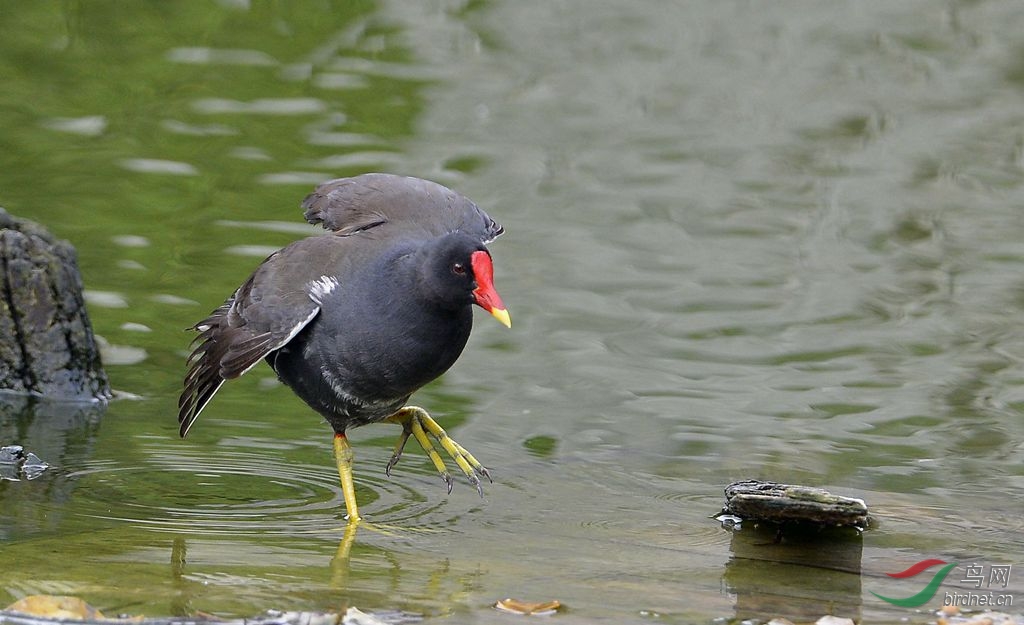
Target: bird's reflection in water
[340, 561]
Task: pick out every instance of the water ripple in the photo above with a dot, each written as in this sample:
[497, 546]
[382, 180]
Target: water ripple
[193, 491]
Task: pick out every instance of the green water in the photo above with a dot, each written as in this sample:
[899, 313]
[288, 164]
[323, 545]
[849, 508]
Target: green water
[779, 241]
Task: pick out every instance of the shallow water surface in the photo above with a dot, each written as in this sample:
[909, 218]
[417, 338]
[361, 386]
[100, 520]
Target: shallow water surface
[743, 241]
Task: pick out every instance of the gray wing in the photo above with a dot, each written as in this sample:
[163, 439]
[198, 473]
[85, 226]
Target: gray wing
[262, 316]
[399, 203]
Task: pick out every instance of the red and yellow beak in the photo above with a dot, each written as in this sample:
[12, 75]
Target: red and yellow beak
[484, 295]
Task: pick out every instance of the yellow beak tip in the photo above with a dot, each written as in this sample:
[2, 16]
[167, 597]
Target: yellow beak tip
[502, 315]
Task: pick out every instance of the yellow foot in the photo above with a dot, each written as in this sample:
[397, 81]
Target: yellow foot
[343, 456]
[422, 427]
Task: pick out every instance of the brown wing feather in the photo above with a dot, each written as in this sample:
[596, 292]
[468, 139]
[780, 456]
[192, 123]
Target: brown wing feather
[242, 354]
[235, 337]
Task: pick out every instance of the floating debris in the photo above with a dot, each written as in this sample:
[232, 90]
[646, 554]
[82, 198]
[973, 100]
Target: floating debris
[16, 464]
[951, 615]
[528, 608]
[828, 619]
[56, 607]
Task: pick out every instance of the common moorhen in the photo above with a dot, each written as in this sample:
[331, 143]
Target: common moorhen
[357, 320]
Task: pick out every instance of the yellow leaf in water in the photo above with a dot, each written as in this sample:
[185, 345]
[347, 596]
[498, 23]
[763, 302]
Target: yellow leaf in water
[528, 608]
[52, 606]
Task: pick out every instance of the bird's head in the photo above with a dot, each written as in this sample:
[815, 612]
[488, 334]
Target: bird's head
[458, 269]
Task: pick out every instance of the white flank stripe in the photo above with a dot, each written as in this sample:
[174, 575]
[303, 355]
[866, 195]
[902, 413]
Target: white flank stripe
[321, 288]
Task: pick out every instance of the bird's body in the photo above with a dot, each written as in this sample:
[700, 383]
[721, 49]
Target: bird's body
[361, 358]
[356, 321]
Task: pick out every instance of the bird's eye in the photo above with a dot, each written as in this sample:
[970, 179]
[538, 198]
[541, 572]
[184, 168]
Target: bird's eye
[458, 269]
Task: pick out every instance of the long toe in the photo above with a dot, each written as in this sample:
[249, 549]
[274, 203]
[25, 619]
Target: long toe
[417, 422]
[396, 455]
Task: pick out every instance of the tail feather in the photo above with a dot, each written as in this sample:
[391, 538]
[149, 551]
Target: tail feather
[190, 411]
[224, 351]
[244, 355]
[203, 379]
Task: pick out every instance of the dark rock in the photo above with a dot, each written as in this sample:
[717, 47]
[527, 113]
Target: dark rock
[788, 503]
[47, 346]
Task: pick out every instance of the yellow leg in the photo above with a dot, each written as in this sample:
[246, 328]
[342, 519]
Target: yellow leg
[416, 422]
[343, 456]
